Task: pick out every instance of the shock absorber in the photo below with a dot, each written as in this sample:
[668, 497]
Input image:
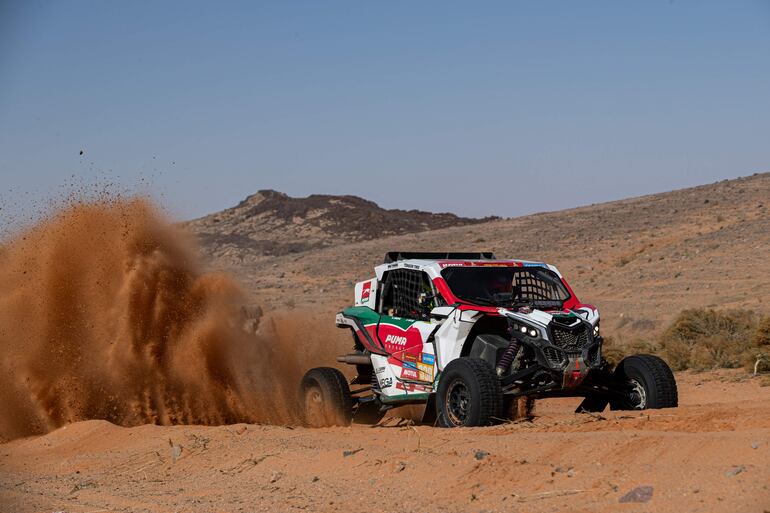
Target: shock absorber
[507, 358]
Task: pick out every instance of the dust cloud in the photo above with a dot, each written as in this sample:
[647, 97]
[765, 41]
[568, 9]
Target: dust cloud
[105, 313]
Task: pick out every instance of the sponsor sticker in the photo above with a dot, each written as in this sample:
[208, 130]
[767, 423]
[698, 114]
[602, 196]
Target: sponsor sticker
[501, 263]
[408, 373]
[410, 365]
[386, 382]
[396, 340]
[426, 372]
[411, 387]
[428, 358]
[409, 357]
[366, 291]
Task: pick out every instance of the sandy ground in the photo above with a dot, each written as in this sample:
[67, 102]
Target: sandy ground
[710, 454]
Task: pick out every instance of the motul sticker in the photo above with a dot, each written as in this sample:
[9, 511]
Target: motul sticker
[407, 373]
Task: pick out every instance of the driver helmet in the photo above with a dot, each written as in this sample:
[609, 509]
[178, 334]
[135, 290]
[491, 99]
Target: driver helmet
[500, 284]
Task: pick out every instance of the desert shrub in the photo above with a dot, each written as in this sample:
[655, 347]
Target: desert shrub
[615, 348]
[613, 351]
[705, 339]
[762, 334]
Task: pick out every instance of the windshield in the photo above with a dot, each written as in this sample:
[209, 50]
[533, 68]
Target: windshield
[538, 287]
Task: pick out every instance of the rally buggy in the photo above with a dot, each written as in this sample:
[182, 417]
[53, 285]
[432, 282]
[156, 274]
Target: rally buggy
[471, 336]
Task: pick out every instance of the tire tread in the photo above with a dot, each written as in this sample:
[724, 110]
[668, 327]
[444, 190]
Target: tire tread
[491, 395]
[335, 389]
[666, 393]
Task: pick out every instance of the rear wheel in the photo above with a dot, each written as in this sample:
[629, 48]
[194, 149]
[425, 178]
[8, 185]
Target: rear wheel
[325, 398]
[468, 394]
[651, 384]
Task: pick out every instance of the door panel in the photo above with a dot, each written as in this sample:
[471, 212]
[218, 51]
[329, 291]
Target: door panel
[405, 339]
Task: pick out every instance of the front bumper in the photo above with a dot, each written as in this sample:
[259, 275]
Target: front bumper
[564, 354]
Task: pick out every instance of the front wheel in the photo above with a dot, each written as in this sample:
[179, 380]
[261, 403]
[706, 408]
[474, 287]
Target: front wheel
[325, 398]
[650, 384]
[468, 394]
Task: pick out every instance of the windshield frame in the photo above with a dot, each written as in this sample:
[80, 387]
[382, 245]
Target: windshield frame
[546, 304]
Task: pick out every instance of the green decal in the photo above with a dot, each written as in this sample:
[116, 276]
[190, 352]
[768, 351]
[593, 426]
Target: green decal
[401, 322]
[404, 397]
[363, 313]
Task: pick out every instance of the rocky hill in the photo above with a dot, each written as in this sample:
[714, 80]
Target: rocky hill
[641, 260]
[270, 223]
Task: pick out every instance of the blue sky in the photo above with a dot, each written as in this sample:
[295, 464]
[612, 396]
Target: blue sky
[479, 108]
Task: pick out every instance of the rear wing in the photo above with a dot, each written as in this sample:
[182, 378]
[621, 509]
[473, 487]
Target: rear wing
[395, 256]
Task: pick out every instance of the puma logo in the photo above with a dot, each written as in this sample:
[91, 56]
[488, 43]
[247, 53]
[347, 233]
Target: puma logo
[395, 340]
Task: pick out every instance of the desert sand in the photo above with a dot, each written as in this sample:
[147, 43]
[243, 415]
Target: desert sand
[711, 454]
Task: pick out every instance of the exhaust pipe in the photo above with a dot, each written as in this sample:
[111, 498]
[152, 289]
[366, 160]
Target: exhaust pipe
[357, 358]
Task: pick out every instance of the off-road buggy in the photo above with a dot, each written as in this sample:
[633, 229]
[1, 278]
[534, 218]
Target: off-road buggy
[471, 335]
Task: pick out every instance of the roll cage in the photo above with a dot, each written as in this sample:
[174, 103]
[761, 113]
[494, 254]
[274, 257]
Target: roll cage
[411, 283]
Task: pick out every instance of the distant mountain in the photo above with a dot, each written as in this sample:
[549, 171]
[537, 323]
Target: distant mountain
[641, 260]
[271, 223]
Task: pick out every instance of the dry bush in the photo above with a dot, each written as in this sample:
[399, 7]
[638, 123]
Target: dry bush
[703, 339]
[613, 351]
[615, 348]
[762, 334]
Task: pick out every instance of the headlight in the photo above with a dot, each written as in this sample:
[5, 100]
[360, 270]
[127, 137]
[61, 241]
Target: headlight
[526, 330]
[596, 330]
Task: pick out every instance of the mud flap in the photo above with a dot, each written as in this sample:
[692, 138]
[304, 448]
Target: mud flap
[593, 404]
[429, 415]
